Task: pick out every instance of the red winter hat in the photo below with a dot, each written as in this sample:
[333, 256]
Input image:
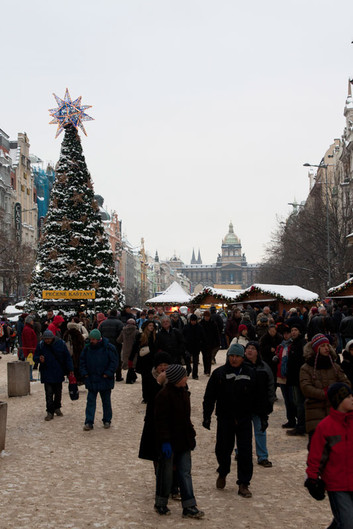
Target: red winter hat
[242, 328]
[317, 340]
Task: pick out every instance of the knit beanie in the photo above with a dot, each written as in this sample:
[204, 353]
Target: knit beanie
[337, 393]
[101, 317]
[236, 349]
[317, 340]
[29, 319]
[241, 328]
[175, 373]
[48, 334]
[161, 358]
[131, 321]
[95, 334]
[255, 344]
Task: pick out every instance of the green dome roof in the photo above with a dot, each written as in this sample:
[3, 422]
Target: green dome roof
[231, 238]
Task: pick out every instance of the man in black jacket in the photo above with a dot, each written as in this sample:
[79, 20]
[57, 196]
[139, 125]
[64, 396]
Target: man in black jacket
[111, 329]
[232, 388]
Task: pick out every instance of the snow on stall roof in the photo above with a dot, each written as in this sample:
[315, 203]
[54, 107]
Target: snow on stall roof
[11, 309]
[173, 294]
[222, 292]
[343, 285]
[289, 292]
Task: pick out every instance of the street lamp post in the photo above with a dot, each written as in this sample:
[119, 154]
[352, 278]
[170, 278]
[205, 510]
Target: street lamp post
[325, 166]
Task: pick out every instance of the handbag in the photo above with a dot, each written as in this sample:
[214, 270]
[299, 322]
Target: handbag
[73, 388]
[144, 351]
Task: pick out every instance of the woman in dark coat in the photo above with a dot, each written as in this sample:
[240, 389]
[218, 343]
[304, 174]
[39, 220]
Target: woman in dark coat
[144, 349]
[211, 341]
[75, 342]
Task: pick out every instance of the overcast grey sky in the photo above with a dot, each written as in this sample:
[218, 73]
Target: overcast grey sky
[205, 110]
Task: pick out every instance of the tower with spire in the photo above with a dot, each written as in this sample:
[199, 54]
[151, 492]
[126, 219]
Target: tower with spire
[193, 258]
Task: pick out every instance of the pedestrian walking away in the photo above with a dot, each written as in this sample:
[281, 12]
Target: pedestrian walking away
[55, 362]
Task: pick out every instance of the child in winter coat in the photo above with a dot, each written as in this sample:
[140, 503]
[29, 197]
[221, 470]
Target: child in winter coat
[330, 460]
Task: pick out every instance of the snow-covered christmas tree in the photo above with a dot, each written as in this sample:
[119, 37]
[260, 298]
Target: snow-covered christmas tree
[74, 252]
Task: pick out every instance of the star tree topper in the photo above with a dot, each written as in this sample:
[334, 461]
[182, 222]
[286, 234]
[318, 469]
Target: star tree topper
[69, 112]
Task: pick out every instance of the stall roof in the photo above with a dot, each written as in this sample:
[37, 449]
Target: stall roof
[340, 289]
[289, 293]
[220, 294]
[173, 295]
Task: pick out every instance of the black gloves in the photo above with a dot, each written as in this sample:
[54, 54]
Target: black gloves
[316, 487]
[264, 423]
[207, 424]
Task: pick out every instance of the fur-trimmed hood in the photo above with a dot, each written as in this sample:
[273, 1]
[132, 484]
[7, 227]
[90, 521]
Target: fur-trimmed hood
[348, 345]
[79, 327]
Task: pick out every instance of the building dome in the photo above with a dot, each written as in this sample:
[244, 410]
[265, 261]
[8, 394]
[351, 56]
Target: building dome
[231, 238]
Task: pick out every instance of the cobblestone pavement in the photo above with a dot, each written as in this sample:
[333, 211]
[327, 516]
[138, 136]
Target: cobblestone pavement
[55, 475]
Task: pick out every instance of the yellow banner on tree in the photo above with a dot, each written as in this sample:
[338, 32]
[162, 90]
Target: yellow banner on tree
[68, 294]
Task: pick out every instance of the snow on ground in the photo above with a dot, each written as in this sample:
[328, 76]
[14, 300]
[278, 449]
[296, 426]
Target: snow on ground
[55, 475]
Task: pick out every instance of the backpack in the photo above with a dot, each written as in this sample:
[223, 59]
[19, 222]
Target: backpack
[2, 331]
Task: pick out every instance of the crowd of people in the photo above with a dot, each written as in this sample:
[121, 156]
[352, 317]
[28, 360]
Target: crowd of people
[306, 353]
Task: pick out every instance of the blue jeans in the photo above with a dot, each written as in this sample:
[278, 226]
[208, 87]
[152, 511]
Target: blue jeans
[342, 508]
[164, 479]
[92, 402]
[260, 439]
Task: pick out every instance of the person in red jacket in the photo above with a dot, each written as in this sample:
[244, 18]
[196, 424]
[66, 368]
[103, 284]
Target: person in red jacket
[29, 343]
[330, 459]
[54, 327]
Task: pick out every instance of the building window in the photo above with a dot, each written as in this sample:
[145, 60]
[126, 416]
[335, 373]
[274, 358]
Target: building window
[25, 175]
[28, 191]
[22, 187]
[23, 159]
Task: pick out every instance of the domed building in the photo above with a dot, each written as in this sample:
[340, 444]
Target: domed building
[231, 269]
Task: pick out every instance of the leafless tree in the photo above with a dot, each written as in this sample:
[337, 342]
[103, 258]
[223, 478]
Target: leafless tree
[298, 252]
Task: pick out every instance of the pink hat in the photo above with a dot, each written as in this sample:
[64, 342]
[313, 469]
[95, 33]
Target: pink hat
[101, 317]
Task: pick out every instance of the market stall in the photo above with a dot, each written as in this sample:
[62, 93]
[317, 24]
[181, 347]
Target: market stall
[215, 296]
[280, 297]
[174, 296]
[343, 292]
